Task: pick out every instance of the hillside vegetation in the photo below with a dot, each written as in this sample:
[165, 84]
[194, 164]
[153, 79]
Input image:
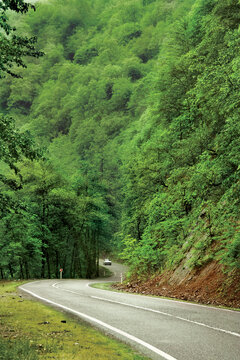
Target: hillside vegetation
[135, 106]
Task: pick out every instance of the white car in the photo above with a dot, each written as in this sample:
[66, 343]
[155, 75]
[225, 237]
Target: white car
[107, 262]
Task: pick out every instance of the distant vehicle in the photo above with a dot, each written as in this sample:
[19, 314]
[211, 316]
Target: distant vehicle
[107, 262]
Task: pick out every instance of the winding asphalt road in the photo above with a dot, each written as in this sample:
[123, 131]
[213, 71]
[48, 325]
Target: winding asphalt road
[158, 328]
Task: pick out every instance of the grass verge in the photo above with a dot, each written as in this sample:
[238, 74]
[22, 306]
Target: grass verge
[105, 286]
[31, 331]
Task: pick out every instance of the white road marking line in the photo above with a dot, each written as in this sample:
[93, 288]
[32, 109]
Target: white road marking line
[72, 292]
[101, 323]
[167, 314]
[156, 311]
[180, 302]
[160, 298]
[185, 302]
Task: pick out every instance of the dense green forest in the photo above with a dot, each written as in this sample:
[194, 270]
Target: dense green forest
[134, 111]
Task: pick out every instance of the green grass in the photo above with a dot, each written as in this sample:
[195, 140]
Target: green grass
[17, 349]
[104, 286]
[30, 331]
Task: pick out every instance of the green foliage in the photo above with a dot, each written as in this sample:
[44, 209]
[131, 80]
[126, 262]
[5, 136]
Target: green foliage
[233, 252]
[137, 103]
[14, 147]
[13, 47]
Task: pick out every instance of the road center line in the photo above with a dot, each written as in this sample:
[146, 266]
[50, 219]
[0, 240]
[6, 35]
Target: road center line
[156, 311]
[103, 324]
[167, 314]
[70, 291]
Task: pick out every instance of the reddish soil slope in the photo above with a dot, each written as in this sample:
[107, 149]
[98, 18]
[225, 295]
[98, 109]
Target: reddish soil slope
[208, 285]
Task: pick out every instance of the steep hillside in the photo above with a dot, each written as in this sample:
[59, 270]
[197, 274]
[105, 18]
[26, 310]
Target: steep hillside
[136, 104]
[207, 285]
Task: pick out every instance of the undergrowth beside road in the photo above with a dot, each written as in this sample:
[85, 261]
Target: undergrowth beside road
[30, 331]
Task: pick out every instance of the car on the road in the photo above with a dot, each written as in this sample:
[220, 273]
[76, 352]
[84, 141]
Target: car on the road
[107, 262]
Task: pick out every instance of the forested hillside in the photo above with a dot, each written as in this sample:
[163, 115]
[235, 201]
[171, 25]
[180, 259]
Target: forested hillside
[135, 107]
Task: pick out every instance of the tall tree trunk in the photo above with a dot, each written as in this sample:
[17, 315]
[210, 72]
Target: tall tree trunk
[43, 263]
[21, 270]
[57, 263]
[45, 258]
[48, 265]
[2, 274]
[88, 254]
[94, 252]
[11, 270]
[77, 261]
[97, 258]
[26, 270]
[72, 262]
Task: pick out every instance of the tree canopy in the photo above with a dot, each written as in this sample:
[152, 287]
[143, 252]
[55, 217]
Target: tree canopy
[137, 105]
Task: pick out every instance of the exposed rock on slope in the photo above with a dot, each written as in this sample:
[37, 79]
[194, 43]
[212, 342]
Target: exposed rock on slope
[207, 285]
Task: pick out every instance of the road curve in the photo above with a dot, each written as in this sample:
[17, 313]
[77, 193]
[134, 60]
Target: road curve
[159, 328]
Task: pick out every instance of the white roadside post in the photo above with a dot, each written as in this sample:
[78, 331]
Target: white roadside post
[61, 271]
[121, 276]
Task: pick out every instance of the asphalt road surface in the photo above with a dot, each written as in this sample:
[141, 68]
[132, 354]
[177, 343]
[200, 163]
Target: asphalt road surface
[158, 328]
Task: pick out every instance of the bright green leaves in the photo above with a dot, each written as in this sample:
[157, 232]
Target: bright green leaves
[20, 244]
[12, 46]
[193, 163]
[231, 255]
[137, 102]
[14, 147]
[57, 225]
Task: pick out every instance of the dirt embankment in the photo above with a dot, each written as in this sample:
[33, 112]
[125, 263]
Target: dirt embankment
[207, 285]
